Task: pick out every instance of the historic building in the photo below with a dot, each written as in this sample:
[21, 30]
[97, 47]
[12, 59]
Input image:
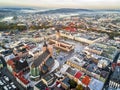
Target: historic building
[43, 63]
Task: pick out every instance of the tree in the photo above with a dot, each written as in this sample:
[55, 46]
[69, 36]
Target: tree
[79, 87]
[15, 18]
[72, 83]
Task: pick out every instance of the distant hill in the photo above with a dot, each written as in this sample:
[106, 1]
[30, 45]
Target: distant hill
[64, 10]
[13, 9]
[111, 10]
[18, 10]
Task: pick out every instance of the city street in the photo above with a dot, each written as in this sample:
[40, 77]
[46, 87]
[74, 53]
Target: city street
[6, 72]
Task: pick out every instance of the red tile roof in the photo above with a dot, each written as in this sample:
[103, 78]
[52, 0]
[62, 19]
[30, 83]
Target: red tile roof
[25, 81]
[11, 63]
[22, 78]
[78, 75]
[86, 80]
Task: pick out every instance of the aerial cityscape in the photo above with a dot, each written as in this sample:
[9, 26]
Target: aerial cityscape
[59, 45]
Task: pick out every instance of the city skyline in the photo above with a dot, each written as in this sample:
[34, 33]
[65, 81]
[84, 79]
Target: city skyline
[59, 45]
[86, 4]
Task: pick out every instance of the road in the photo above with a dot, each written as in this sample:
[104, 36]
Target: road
[6, 72]
[116, 57]
[9, 74]
[3, 61]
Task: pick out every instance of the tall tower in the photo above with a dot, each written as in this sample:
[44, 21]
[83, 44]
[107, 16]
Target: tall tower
[58, 35]
[47, 47]
[44, 48]
[50, 48]
[35, 72]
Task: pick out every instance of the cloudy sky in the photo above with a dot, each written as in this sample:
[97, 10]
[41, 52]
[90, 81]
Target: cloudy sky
[89, 4]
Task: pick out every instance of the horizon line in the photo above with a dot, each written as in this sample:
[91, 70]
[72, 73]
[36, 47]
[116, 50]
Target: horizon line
[34, 7]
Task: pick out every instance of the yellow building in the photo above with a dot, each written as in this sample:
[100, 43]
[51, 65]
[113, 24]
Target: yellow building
[62, 45]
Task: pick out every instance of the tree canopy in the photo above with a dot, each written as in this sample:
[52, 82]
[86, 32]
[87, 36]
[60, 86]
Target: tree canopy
[72, 83]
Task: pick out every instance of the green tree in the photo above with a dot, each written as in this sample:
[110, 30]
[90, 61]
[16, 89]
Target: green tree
[72, 83]
[15, 17]
[79, 87]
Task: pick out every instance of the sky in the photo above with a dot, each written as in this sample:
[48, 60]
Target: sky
[86, 4]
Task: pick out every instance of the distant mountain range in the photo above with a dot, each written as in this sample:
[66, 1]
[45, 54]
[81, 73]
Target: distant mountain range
[50, 11]
[64, 10]
[13, 9]
[16, 9]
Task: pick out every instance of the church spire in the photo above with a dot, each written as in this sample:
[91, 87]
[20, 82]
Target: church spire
[45, 44]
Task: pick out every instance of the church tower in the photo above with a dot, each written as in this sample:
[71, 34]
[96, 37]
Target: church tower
[47, 47]
[57, 35]
[44, 48]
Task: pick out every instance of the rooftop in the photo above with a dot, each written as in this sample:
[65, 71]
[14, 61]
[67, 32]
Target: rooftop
[78, 75]
[49, 62]
[116, 75]
[77, 61]
[86, 80]
[44, 68]
[48, 77]
[106, 51]
[41, 86]
[96, 84]
[71, 71]
[20, 65]
[66, 81]
[40, 59]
